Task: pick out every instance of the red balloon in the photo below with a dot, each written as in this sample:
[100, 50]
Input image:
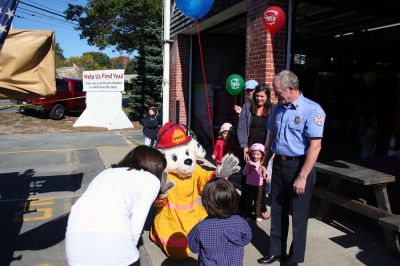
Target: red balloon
[274, 19]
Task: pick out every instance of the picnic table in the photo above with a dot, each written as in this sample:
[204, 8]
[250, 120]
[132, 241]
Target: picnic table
[382, 213]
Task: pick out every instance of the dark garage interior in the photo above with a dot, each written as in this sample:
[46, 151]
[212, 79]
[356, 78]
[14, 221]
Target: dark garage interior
[346, 54]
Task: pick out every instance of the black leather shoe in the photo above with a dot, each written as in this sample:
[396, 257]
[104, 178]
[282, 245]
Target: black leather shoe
[269, 259]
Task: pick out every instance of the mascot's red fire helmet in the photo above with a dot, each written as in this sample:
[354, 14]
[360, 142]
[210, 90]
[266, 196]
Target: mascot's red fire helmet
[171, 135]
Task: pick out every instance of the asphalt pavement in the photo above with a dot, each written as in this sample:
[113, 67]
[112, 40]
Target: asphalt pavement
[41, 176]
[6, 106]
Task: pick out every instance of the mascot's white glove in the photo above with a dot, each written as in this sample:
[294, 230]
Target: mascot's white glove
[229, 166]
[165, 186]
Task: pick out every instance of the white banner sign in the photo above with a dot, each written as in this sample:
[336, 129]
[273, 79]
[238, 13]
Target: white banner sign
[103, 80]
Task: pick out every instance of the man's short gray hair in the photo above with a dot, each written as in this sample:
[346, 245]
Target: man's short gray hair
[288, 79]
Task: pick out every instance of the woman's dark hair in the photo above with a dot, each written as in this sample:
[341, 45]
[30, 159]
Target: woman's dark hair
[144, 158]
[149, 102]
[219, 198]
[268, 104]
[231, 144]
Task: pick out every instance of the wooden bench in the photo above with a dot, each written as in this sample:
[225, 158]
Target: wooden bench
[382, 213]
[391, 222]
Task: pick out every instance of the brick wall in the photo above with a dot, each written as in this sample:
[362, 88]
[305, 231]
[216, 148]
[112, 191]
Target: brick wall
[264, 57]
[179, 78]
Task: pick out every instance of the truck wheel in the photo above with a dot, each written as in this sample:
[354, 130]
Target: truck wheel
[57, 112]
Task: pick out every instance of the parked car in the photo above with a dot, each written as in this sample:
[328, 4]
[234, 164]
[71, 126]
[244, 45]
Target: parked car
[69, 96]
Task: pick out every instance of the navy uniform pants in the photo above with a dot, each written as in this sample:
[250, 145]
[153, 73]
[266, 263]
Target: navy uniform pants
[285, 200]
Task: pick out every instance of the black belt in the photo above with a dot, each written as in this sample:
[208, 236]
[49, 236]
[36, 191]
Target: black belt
[288, 158]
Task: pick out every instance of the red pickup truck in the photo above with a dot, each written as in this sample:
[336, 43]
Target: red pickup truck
[69, 96]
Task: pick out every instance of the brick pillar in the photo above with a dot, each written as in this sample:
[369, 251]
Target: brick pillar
[179, 78]
[264, 58]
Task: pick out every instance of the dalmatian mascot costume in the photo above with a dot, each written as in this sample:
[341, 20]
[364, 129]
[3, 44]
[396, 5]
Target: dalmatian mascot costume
[179, 204]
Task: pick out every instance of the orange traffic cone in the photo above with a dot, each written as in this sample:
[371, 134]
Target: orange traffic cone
[392, 146]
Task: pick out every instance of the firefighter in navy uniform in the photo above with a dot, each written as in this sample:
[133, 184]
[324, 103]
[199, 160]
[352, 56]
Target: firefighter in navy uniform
[297, 125]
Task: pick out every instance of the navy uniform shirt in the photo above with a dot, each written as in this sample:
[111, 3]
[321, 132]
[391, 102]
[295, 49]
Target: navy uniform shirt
[294, 124]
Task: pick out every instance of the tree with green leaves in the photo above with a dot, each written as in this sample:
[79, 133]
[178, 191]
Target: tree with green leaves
[60, 59]
[128, 25]
[101, 59]
[131, 66]
[149, 70]
[85, 62]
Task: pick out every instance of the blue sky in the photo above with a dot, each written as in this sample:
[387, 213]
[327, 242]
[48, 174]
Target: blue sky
[66, 35]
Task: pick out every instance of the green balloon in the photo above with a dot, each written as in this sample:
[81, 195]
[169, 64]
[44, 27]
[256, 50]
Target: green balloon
[234, 84]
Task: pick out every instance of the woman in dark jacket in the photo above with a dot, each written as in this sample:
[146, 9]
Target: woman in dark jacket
[151, 122]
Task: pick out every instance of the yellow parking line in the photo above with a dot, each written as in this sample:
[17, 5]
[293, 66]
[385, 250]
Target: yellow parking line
[55, 150]
[41, 202]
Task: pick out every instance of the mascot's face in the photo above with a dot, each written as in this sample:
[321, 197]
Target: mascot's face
[180, 160]
[198, 150]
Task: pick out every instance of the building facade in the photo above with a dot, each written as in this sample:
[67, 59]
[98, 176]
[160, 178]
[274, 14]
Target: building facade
[342, 51]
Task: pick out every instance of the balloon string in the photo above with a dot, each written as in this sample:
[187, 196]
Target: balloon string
[205, 82]
[236, 114]
[269, 41]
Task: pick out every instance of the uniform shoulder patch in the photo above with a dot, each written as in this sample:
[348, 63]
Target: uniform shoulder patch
[319, 119]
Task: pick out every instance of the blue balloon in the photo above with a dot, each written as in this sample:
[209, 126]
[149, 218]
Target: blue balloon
[194, 8]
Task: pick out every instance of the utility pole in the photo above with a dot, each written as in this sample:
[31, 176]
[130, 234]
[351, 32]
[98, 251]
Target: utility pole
[166, 51]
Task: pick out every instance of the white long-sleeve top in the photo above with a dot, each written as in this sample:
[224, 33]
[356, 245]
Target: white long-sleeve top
[117, 201]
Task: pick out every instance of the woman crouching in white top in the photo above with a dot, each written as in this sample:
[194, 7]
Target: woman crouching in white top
[106, 222]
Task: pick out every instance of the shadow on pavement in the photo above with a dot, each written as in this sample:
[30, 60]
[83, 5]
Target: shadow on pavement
[187, 262]
[15, 190]
[260, 239]
[39, 237]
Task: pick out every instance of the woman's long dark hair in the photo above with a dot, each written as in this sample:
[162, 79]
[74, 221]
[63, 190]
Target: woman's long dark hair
[268, 104]
[144, 158]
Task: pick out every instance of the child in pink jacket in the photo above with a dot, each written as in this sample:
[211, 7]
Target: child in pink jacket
[254, 182]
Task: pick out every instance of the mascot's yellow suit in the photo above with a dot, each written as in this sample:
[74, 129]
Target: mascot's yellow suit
[179, 212]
